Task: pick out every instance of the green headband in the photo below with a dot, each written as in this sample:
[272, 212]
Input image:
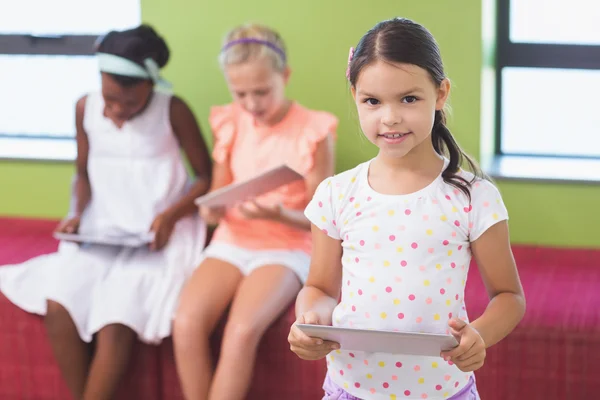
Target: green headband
[113, 64]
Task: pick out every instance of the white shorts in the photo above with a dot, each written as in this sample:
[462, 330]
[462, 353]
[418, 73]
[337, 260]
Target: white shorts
[248, 260]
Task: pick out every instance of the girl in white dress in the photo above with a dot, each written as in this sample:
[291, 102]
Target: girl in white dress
[131, 178]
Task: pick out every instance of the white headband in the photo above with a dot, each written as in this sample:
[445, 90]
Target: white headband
[113, 64]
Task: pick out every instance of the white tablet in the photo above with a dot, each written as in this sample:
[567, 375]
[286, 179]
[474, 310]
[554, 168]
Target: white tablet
[242, 191]
[372, 341]
[109, 240]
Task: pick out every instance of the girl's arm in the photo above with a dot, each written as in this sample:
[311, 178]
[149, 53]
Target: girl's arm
[496, 264]
[221, 175]
[83, 190]
[321, 292]
[318, 298]
[187, 131]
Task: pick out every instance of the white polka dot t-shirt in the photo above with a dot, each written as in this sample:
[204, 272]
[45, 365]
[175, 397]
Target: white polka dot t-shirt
[405, 262]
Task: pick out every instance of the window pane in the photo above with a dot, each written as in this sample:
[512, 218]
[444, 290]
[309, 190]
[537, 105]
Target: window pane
[555, 21]
[38, 149]
[550, 111]
[77, 17]
[40, 95]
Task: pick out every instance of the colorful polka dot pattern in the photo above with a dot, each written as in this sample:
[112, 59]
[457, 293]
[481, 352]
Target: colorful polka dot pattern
[405, 263]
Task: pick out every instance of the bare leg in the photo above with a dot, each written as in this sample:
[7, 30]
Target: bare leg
[72, 354]
[203, 301]
[260, 299]
[113, 351]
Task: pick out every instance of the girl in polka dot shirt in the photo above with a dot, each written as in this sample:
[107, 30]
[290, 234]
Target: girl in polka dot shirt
[394, 236]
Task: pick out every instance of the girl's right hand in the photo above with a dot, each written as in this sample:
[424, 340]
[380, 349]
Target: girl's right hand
[305, 347]
[69, 225]
[212, 215]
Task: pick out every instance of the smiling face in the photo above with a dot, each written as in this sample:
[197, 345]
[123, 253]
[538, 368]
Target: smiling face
[396, 106]
[258, 88]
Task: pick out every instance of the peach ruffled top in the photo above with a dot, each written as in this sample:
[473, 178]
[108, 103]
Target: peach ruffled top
[252, 150]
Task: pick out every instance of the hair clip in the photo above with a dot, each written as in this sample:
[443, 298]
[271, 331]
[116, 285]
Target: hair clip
[350, 56]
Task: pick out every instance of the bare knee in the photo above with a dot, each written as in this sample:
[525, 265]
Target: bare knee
[194, 320]
[58, 321]
[190, 325]
[114, 335]
[55, 311]
[240, 335]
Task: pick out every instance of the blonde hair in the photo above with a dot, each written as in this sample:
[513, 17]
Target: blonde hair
[250, 42]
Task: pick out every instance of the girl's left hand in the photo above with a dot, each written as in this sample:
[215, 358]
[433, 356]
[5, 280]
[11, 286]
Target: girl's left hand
[255, 210]
[162, 226]
[469, 355]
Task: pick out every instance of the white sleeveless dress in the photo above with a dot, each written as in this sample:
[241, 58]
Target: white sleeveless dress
[135, 172]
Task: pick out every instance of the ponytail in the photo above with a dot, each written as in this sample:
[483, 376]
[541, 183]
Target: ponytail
[444, 144]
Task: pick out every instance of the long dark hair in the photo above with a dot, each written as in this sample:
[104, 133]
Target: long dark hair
[403, 41]
[136, 45]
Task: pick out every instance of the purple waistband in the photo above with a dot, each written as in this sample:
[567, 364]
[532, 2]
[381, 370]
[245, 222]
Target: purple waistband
[335, 392]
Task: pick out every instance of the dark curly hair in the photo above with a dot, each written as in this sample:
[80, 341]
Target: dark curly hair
[135, 44]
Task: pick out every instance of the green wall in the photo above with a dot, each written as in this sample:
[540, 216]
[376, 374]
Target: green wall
[318, 35]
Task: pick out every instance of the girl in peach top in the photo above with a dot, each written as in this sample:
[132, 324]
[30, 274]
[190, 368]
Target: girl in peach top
[259, 255]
